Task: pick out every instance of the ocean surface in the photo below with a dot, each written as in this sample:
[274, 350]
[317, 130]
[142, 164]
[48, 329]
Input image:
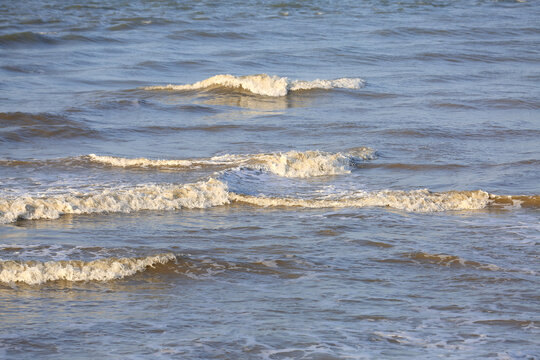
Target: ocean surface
[270, 179]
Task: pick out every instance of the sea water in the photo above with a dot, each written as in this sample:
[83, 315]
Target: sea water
[269, 180]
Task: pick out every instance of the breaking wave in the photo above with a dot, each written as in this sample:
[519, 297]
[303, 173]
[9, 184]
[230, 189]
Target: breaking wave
[37, 272]
[290, 164]
[211, 193]
[263, 84]
[199, 195]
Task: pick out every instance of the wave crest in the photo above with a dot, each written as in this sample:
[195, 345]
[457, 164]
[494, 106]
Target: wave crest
[263, 84]
[36, 272]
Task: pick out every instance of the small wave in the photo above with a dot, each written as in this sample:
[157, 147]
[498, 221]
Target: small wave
[413, 201]
[36, 272]
[448, 260]
[87, 39]
[263, 84]
[202, 194]
[416, 167]
[198, 34]
[527, 201]
[21, 127]
[24, 38]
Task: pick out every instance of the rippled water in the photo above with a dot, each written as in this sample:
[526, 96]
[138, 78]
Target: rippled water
[275, 180]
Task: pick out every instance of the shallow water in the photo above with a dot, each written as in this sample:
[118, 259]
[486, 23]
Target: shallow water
[279, 180]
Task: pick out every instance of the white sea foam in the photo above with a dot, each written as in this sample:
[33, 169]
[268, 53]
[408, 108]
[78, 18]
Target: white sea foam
[149, 197]
[263, 84]
[36, 272]
[413, 201]
[290, 164]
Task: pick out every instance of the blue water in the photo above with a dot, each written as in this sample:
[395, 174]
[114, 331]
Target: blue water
[389, 214]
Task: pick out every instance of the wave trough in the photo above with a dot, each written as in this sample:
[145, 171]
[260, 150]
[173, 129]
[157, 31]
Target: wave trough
[263, 84]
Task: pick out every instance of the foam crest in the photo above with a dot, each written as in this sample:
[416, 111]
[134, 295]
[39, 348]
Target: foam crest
[263, 84]
[202, 194]
[413, 201]
[36, 272]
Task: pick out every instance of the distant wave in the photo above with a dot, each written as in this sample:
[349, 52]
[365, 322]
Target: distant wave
[263, 84]
[36, 272]
[28, 38]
